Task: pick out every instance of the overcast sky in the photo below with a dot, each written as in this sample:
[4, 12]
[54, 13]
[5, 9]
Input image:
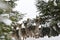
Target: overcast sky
[28, 6]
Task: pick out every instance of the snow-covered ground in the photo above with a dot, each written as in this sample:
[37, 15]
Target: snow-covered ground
[45, 38]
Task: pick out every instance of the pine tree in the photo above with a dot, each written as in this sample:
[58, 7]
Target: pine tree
[6, 8]
[49, 12]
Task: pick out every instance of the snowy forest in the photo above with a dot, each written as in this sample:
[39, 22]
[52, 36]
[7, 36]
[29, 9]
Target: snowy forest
[47, 23]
